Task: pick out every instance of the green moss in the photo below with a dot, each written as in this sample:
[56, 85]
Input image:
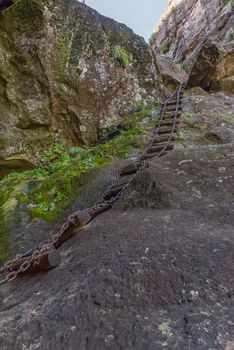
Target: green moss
[50, 186]
[5, 195]
[62, 47]
[186, 65]
[180, 138]
[187, 115]
[165, 329]
[120, 55]
[227, 119]
[164, 46]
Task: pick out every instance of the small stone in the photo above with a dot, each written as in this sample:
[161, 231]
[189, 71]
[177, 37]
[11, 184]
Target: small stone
[73, 328]
[82, 128]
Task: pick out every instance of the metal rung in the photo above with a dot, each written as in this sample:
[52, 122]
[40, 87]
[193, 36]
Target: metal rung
[169, 122]
[99, 211]
[172, 113]
[46, 261]
[130, 169]
[81, 219]
[162, 138]
[160, 147]
[166, 131]
[174, 103]
[121, 182]
[113, 192]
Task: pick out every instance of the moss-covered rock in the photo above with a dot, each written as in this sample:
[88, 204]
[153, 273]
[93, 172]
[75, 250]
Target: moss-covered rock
[32, 199]
[66, 73]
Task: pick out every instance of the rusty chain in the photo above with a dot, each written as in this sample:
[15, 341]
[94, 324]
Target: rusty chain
[33, 255]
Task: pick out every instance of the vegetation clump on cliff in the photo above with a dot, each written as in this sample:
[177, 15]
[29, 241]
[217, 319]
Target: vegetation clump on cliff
[165, 45]
[120, 55]
[44, 192]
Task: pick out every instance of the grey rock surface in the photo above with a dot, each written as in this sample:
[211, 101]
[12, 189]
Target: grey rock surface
[155, 272]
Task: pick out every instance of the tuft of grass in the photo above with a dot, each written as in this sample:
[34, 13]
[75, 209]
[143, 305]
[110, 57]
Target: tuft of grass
[187, 116]
[164, 46]
[120, 55]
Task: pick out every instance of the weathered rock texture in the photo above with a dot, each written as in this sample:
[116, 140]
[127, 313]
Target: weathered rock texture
[171, 72]
[61, 77]
[199, 35]
[207, 119]
[155, 272]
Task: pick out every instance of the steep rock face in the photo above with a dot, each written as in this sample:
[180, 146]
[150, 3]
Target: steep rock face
[66, 72]
[199, 35]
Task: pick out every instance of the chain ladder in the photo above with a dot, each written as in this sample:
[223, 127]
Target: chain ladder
[33, 255]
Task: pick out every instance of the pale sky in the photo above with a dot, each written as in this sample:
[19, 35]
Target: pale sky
[139, 15]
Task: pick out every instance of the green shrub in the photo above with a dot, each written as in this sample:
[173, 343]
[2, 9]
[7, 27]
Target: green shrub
[152, 38]
[165, 45]
[120, 55]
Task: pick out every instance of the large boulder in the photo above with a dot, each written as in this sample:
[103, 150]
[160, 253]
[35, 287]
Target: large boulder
[66, 72]
[206, 119]
[171, 72]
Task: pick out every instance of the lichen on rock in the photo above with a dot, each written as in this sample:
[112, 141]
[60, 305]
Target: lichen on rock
[65, 74]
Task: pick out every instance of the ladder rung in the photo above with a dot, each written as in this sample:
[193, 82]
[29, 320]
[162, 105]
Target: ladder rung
[165, 147]
[166, 131]
[169, 122]
[130, 169]
[163, 138]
